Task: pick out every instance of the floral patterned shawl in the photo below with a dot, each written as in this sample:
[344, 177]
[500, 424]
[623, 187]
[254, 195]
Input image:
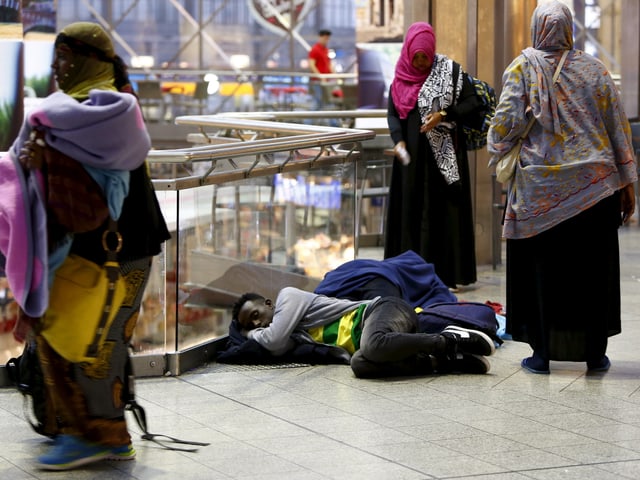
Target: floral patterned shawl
[579, 149]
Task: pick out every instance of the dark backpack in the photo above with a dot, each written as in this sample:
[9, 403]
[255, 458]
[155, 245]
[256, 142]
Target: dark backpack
[473, 315]
[475, 130]
[26, 374]
[476, 125]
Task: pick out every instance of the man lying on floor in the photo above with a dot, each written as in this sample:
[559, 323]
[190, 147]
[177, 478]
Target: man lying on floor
[406, 276]
[380, 335]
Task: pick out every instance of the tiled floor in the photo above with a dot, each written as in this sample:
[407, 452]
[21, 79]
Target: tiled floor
[320, 422]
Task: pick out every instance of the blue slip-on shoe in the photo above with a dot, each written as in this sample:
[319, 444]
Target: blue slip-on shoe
[600, 366]
[70, 451]
[123, 452]
[527, 364]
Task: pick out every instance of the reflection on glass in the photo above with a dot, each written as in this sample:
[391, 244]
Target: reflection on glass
[258, 235]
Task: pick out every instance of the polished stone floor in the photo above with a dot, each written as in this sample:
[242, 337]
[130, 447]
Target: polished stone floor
[319, 422]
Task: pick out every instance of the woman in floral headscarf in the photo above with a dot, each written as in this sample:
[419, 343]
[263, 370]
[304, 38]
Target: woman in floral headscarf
[572, 190]
[430, 209]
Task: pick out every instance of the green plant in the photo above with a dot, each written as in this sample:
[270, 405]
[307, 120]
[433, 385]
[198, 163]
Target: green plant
[39, 84]
[6, 112]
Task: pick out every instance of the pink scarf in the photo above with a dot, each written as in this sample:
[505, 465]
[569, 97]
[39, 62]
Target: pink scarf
[408, 80]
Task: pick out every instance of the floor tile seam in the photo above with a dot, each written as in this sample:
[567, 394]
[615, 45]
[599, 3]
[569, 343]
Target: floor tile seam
[524, 472]
[275, 417]
[600, 442]
[577, 409]
[481, 433]
[373, 454]
[242, 405]
[502, 437]
[425, 380]
[543, 469]
[236, 400]
[611, 422]
[273, 455]
[571, 463]
[342, 442]
[538, 422]
[598, 466]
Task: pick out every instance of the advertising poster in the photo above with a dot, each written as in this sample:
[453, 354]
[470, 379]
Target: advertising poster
[39, 30]
[11, 111]
[27, 33]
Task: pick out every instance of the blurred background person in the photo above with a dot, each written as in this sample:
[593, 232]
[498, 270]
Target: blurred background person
[320, 63]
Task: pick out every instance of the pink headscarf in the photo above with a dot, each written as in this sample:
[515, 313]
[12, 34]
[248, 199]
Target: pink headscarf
[408, 80]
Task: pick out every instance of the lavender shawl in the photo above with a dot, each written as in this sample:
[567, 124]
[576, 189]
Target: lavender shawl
[105, 133]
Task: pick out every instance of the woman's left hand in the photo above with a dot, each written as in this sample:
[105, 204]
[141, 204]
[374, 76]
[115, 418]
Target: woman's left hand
[433, 119]
[627, 202]
[32, 151]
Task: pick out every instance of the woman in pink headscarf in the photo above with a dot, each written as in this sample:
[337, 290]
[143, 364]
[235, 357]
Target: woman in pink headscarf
[430, 208]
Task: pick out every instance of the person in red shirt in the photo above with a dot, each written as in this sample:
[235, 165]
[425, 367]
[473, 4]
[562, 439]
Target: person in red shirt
[319, 62]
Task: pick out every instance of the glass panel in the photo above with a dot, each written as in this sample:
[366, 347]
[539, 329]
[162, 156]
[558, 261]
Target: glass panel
[258, 234]
[155, 329]
[8, 316]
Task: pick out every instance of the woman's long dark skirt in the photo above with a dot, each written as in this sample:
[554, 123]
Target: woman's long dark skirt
[563, 286]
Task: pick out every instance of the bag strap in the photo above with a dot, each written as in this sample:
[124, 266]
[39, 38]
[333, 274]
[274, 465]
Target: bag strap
[556, 74]
[113, 272]
[141, 417]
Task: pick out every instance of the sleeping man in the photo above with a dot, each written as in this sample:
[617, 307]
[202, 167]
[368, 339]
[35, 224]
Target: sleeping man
[379, 335]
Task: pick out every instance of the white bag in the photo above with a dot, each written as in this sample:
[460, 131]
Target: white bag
[506, 166]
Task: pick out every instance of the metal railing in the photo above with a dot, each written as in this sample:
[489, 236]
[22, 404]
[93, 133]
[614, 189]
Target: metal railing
[239, 148]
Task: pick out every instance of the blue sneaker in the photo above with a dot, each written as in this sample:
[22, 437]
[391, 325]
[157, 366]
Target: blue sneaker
[123, 452]
[70, 451]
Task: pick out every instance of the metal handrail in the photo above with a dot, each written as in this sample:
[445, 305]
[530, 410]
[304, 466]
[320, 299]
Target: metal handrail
[320, 139]
[310, 114]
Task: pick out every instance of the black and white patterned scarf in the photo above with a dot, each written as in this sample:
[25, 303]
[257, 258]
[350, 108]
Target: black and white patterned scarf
[437, 93]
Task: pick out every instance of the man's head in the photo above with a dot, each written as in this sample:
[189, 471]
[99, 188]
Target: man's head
[323, 36]
[252, 311]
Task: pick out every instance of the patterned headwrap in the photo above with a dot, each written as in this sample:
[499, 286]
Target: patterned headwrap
[408, 80]
[551, 27]
[93, 54]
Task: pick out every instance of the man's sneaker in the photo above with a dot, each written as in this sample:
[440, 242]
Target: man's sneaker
[471, 364]
[70, 452]
[123, 452]
[463, 363]
[464, 340]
